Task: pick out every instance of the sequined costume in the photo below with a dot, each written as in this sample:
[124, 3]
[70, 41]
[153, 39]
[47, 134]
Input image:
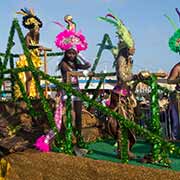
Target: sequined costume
[33, 24]
[72, 42]
[22, 62]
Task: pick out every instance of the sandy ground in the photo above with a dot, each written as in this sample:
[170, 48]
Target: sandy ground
[33, 165]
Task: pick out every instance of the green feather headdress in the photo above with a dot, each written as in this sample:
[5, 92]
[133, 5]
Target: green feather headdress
[123, 33]
[174, 40]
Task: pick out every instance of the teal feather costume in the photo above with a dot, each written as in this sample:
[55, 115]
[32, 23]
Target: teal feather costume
[174, 40]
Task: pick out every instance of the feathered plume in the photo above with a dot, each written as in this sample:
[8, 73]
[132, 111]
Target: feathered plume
[26, 12]
[174, 40]
[32, 11]
[59, 24]
[122, 31]
[171, 21]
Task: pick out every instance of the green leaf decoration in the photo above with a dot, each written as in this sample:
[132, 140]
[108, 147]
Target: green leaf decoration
[108, 20]
[123, 33]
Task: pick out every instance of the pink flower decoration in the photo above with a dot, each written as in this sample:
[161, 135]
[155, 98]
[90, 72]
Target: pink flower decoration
[44, 141]
[119, 90]
[42, 145]
[124, 92]
[108, 102]
[71, 39]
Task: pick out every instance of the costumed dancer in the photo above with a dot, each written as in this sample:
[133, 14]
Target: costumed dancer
[33, 24]
[72, 42]
[174, 106]
[122, 98]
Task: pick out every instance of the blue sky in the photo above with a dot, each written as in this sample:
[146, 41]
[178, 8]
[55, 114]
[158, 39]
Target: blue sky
[144, 18]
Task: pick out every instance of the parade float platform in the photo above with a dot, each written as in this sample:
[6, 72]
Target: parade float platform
[105, 150]
[19, 131]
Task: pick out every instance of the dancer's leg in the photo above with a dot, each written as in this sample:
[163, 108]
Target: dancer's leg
[28, 81]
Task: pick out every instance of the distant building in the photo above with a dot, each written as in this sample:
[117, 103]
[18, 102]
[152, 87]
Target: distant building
[109, 83]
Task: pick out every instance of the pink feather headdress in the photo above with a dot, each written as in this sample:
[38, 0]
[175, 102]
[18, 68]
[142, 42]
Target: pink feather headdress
[70, 39]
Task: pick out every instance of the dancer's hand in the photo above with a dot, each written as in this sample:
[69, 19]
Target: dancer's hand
[85, 73]
[88, 64]
[143, 75]
[40, 48]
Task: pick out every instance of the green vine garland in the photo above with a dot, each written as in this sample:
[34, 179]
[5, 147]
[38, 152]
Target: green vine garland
[159, 154]
[153, 137]
[102, 47]
[68, 135]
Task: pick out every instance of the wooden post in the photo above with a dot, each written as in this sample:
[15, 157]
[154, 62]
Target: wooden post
[46, 69]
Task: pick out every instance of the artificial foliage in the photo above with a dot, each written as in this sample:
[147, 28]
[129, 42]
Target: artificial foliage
[106, 38]
[10, 44]
[159, 154]
[148, 135]
[160, 146]
[102, 47]
[15, 25]
[151, 137]
[8, 50]
[81, 143]
[95, 94]
[164, 90]
[41, 55]
[68, 134]
[155, 122]
[12, 76]
[1, 68]
[1, 62]
[124, 144]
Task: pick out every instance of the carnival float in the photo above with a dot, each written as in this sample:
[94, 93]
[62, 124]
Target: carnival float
[34, 122]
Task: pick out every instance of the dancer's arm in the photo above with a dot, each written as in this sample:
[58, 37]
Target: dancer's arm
[174, 74]
[84, 66]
